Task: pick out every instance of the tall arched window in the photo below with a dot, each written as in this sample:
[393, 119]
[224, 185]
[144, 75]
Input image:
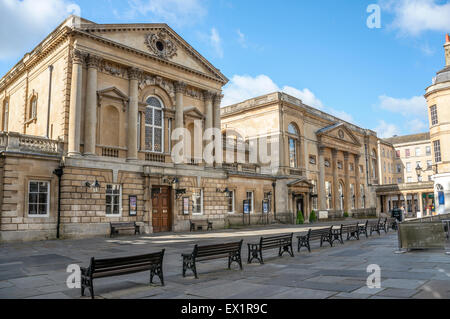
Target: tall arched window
[293, 145]
[352, 194]
[363, 197]
[374, 164]
[32, 112]
[314, 193]
[154, 125]
[341, 196]
[329, 195]
[5, 115]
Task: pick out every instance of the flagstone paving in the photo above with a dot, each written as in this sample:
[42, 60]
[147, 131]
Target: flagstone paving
[38, 269]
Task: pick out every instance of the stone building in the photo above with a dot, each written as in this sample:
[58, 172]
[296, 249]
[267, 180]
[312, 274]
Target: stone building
[89, 118]
[406, 170]
[324, 164]
[438, 100]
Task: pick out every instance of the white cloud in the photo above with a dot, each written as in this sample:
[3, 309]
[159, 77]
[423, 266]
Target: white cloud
[412, 17]
[216, 42]
[174, 12]
[242, 39]
[23, 24]
[386, 130]
[414, 106]
[305, 95]
[244, 87]
[418, 125]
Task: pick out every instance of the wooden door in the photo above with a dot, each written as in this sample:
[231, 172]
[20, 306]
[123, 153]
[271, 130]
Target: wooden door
[161, 217]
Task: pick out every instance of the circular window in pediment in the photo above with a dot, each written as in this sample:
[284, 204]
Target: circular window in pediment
[160, 46]
[341, 134]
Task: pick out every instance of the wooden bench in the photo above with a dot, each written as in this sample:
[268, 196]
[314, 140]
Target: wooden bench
[324, 234]
[282, 242]
[102, 268]
[364, 228]
[382, 224]
[374, 226]
[115, 227]
[201, 223]
[232, 251]
[391, 223]
[352, 231]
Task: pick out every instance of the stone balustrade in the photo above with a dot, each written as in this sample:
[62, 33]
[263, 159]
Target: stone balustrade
[16, 142]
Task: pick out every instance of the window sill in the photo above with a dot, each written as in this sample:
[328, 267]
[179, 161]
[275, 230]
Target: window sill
[30, 121]
[38, 216]
[113, 216]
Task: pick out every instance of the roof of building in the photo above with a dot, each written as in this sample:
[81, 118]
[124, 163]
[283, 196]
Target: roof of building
[408, 138]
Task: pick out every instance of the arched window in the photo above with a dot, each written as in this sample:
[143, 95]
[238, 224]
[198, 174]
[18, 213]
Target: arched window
[314, 193]
[363, 197]
[341, 196]
[329, 195]
[352, 194]
[154, 125]
[374, 164]
[32, 112]
[5, 115]
[293, 145]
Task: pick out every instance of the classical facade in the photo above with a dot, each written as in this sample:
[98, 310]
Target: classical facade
[322, 164]
[438, 100]
[406, 169]
[87, 121]
[90, 119]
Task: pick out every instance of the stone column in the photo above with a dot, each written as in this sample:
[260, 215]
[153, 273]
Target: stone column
[133, 75]
[357, 185]
[386, 204]
[420, 206]
[208, 97]
[322, 191]
[347, 203]
[337, 198]
[90, 113]
[180, 88]
[75, 103]
[217, 125]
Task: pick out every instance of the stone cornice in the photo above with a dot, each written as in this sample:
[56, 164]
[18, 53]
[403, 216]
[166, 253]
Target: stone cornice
[223, 81]
[155, 27]
[41, 51]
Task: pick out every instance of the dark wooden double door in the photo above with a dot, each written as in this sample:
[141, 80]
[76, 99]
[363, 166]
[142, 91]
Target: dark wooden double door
[161, 214]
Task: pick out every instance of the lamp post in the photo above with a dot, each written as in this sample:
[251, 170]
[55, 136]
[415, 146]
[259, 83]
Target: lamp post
[419, 171]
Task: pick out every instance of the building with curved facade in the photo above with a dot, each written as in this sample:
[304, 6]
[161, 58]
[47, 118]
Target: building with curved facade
[438, 100]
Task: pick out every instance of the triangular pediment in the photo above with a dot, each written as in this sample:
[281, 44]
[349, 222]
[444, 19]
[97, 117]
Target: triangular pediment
[113, 93]
[339, 133]
[157, 40]
[301, 182]
[193, 111]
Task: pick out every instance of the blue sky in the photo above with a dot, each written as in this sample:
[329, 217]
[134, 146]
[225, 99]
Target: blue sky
[320, 51]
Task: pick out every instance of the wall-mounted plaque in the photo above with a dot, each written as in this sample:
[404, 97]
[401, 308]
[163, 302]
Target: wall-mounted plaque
[185, 205]
[133, 205]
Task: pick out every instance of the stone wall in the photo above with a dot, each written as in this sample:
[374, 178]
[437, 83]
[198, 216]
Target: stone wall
[17, 171]
[81, 206]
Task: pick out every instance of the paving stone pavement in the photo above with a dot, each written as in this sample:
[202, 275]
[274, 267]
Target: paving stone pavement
[38, 269]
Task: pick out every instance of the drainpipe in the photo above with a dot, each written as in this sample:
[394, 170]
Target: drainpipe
[274, 184]
[50, 69]
[59, 172]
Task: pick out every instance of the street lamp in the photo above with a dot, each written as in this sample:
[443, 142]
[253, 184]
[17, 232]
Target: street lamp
[95, 186]
[418, 170]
